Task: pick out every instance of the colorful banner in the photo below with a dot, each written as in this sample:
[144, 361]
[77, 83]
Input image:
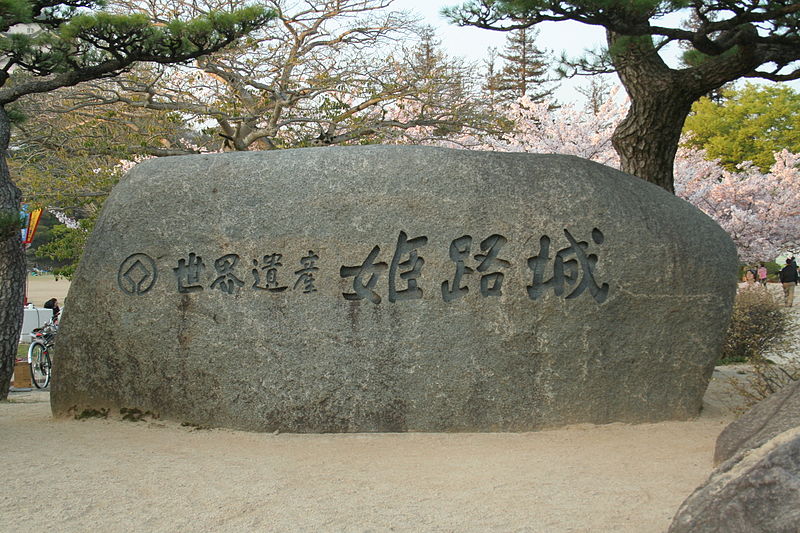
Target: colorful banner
[30, 225]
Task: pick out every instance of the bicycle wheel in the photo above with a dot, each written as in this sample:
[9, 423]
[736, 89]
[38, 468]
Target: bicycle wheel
[40, 365]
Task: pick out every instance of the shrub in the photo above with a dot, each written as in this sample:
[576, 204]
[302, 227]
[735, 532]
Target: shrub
[773, 268]
[758, 326]
[766, 379]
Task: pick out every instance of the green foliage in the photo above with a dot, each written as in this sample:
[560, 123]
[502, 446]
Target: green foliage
[86, 44]
[15, 115]
[728, 40]
[43, 235]
[749, 124]
[15, 11]
[694, 58]
[773, 268]
[92, 38]
[759, 324]
[67, 244]
[71, 159]
[596, 9]
[625, 43]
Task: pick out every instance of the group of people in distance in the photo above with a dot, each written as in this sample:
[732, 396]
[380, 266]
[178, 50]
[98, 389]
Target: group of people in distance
[788, 276]
[751, 274]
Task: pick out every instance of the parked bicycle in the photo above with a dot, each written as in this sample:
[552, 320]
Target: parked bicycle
[42, 340]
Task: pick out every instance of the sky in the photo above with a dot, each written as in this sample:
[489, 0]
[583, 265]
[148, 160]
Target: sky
[473, 42]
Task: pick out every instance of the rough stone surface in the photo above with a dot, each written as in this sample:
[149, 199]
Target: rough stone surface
[756, 490]
[447, 296]
[775, 414]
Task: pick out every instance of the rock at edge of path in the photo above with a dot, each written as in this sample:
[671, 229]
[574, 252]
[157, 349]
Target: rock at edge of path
[756, 490]
[775, 414]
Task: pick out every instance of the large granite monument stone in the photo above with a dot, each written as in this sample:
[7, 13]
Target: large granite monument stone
[386, 288]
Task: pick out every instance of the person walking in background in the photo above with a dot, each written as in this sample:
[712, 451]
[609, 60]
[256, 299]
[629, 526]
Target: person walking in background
[789, 280]
[762, 275]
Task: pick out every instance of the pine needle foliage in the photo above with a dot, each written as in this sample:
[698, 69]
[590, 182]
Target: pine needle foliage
[46, 45]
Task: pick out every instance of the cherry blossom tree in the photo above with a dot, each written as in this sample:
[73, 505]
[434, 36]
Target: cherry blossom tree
[759, 210]
[540, 127]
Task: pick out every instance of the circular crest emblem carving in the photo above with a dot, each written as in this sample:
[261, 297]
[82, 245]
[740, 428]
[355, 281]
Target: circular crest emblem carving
[137, 274]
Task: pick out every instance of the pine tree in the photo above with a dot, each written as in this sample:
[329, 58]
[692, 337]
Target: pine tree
[490, 87]
[524, 72]
[732, 39]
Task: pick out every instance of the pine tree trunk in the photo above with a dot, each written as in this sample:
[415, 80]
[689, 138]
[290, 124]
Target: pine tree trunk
[12, 264]
[647, 139]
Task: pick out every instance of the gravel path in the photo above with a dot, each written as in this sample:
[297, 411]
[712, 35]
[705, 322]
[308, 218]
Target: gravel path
[113, 476]
[104, 475]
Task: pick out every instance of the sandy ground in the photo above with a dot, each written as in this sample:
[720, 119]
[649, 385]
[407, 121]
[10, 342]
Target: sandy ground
[104, 475]
[42, 288]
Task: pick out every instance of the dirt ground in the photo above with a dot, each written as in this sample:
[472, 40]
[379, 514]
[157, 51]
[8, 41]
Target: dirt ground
[103, 475]
[151, 476]
[42, 288]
